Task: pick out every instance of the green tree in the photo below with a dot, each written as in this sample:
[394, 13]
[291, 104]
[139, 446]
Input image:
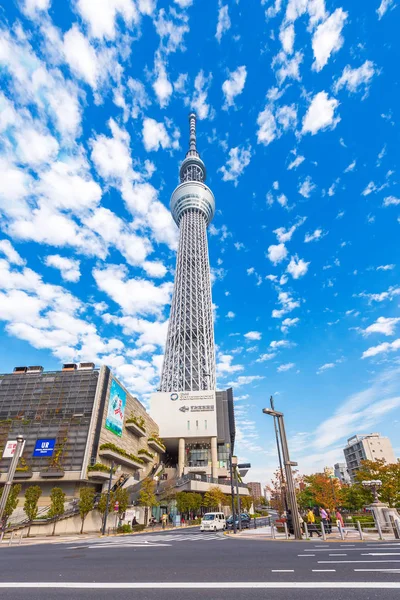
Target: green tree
[86, 502]
[12, 502]
[182, 502]
[32, 495]
[389, 474]
[57, 500]
[246, 502]
[122, 497]
[355, 497]
[147, 496]
[215, 498]
[102, 504]
[195, 502]
[305, 498]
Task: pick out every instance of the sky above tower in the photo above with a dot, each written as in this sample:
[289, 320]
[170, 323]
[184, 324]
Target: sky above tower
[298, 116]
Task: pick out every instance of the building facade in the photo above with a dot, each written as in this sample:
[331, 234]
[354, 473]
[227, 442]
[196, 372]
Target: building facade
[341, 472]
[367, 447]
[76, 423]
[255, 489]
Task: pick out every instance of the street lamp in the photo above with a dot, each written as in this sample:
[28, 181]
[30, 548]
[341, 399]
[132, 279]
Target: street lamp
[288, 471]
[374, 485]
[11, 472]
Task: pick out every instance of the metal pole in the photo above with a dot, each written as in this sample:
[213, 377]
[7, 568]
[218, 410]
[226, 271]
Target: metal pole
[341, 530]
[10, 475]
[232, 489]
[238, 501]
[360, 531]
[323, 531]
[278, 447]
[103, 531]
[289, 480]
[379, 528]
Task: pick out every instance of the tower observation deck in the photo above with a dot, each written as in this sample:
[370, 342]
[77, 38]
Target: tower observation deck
[189, 360]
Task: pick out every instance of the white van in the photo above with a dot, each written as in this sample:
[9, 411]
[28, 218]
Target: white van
[213, 522]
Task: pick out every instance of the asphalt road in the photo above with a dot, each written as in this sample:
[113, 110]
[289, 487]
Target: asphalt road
[183, 564]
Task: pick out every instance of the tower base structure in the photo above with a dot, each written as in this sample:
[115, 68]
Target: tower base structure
[198, 431]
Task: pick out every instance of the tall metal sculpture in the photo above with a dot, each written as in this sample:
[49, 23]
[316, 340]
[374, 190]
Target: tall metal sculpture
[189, 360]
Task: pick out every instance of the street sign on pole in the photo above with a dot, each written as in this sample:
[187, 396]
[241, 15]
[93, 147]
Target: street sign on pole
[10, 448]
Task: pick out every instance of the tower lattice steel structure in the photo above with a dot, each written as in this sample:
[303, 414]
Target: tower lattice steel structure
[189, 361]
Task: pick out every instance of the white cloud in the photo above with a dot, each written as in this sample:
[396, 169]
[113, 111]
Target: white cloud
[101, 15]
[134, 296]
[384, 6]
[391, 293]
[234, 86]
[280, 344]
[155, 136]
[296, 162]
[353, 79]
[277, 253]
[320, 114]
[224, 22]
[230, 315]
[10, 253]
[245, 380]
[350, 167]
[199, 101]
[224, 365]
[273, 121]
[325, 367]
[286, 323]
[265, 357]
[285, 367]
[81, 56]
[306, 187]
[171, 29]
[297, 267]
[287, 303]
[391, 201]
[68, 267]
[239, 159]
[314, 237]
[285, 235]
[385, 325]
[286, 36]
[253, 335]
[184, 3]
[385, 267]
[161, 86]
[287, 67]
[31, 7]
[382, 348]
[154, 268]
[35, 148]
[327, 38]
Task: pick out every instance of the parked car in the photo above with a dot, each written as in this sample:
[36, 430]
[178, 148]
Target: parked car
[213, 522]
[244, 518]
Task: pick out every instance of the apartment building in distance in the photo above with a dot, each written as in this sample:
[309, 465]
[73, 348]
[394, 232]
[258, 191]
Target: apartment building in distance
[371, 446]
[255, 489]
[342, 473]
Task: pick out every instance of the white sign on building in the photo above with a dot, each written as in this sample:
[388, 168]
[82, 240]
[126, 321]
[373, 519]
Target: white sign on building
[10, 448]
[185, 414]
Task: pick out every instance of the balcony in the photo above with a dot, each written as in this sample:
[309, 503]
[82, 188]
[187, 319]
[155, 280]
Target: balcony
[121, 459]
[98, 475]
[156, 445]
[148, 457]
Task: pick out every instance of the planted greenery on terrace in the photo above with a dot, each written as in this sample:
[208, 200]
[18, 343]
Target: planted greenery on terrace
[138, 420]
[100, 467]
[155, 438]
[146, 453]
[121, 452]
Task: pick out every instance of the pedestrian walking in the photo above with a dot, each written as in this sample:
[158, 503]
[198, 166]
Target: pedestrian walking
[311, 523]
[324, 519]
[164, 520]
[339, 518]
[289, 522]
[134, 522]
[329, 519]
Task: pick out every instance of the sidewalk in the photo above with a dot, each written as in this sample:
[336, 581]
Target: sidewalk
[350, 535]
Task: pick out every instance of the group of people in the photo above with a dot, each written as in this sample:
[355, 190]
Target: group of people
[326, 518]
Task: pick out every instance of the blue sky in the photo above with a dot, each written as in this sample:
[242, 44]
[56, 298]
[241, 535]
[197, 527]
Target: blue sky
[298, 126]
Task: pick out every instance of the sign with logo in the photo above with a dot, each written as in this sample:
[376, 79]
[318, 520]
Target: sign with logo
[116, 409]
[11, 447]
[44, 447]
[185, 414]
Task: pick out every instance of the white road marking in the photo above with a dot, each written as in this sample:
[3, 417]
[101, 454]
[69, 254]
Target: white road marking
[349, 549]
[282, 570]
[377, 570]
[381, 554]
[306, 555]
[337, 554]
[324, 570]
[112, 585]
[347, 545]
[357, 561]
[145, 545]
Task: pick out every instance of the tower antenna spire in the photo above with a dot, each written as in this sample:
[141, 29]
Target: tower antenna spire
[192, 135]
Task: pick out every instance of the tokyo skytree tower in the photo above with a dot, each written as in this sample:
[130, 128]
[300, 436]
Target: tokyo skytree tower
[189, 360]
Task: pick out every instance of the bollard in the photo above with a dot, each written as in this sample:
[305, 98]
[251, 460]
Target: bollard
[306, 530]
[286, 531]
[255, 523]
[379, 528]
[272, 530]
[397, 526]
[360, 531]
[323, 531]
[341, 530]
[11, 538]
[20, 538]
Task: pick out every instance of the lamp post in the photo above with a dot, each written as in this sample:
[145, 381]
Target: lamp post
[283, 484]
[373, 485]
[288, 464]
[10, 475]
[103, 529]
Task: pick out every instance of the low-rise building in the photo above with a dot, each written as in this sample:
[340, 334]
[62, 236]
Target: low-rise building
[372, 446]
[76, 422]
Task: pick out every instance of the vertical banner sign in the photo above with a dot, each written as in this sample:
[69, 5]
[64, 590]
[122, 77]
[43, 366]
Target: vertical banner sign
[116, 409]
